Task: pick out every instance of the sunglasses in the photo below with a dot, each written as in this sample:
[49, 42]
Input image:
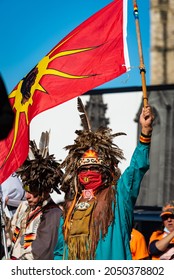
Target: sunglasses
[91, 168]
[166, 217]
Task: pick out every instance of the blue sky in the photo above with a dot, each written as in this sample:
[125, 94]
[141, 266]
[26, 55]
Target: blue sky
[30, 29]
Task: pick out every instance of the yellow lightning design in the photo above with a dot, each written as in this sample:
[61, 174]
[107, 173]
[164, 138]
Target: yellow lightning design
[42, 69]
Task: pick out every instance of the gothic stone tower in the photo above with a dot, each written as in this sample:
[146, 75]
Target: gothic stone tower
[162, 42]
[158, 184]
[96, 110]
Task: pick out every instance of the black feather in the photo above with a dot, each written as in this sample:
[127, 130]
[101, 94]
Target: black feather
[44, 144]
[83, 116]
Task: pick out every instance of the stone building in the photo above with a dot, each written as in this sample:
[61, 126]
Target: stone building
[158, 184]
[96, 111]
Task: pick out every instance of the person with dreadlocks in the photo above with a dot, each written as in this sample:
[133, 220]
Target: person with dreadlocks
[99, 203]
[34, 226]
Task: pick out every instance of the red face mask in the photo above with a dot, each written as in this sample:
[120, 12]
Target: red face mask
[90, 179]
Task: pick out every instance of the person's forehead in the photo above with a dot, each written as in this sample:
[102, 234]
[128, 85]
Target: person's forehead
[32, 193]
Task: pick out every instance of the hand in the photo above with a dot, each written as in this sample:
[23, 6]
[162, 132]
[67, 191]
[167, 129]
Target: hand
[146, 120]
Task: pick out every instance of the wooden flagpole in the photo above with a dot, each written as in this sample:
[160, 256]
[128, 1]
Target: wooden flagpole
[141, 67]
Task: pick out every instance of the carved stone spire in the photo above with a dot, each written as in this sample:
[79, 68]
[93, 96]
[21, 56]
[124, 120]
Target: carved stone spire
[96, 110]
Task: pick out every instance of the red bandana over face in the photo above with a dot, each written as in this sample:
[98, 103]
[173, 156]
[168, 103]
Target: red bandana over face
[90, 179]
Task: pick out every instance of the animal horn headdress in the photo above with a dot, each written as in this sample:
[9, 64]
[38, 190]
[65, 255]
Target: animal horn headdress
[88, 142]
[40, 172]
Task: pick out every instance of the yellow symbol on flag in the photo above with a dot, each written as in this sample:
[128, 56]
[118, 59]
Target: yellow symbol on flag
[23, 93]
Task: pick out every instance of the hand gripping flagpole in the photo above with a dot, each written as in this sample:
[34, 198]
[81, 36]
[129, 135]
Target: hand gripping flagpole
[141, 67]
[2, 221]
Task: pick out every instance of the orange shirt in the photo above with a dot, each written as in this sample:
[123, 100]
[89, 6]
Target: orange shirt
[138, 245]
[158, 235]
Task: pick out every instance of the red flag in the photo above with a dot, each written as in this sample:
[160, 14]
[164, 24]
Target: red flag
[93, 53]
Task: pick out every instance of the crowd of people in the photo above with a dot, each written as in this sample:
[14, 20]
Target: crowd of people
[83, 207]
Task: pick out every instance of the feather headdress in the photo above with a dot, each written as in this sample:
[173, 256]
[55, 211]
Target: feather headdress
[40, 172]
[100, 141]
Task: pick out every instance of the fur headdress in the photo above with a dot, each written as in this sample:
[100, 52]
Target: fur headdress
[40, 172]
[107, 154]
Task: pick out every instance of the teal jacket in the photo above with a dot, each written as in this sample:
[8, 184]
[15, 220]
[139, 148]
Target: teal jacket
[115, 245]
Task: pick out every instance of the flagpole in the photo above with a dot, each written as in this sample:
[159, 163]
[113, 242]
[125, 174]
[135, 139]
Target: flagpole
[142, 66]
